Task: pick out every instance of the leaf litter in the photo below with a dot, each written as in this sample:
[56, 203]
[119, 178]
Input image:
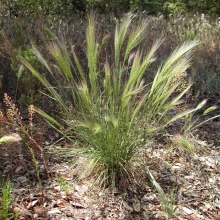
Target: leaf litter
[191, 182]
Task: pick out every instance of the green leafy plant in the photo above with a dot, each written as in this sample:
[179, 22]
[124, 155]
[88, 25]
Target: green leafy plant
[10, 48]
[6, 200]
[65, 186]
[33, 8]
[172, 8]
[109, 108]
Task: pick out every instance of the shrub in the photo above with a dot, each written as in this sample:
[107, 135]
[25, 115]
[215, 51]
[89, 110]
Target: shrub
[109, 108]
[22, 8]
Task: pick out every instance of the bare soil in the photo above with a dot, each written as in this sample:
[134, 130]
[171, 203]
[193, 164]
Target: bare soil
[191, 182]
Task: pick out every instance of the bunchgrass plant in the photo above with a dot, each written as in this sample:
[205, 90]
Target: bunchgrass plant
[109, 108]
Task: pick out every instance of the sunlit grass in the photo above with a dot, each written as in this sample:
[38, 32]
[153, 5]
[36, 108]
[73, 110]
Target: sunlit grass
[108, 107]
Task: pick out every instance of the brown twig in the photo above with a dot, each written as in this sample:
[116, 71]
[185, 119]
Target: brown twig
[13, 118]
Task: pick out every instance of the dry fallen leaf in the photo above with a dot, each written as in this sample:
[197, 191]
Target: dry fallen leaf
[54, 211]
[57, 188]
[22, 211]
[18, 169]
[32, 204]
[137, 206]
[128, 207]
[187, 211]
[22, 179]
[78, 205]
[40, 210]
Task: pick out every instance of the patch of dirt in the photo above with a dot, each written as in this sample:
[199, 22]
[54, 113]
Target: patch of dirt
[210, 132]
[191, 182]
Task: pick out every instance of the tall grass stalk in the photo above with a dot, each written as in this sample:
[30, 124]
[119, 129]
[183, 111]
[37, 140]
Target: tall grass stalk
[6, 200]
[168, 206]
[109, 107]
[37, 170]
[191, 122]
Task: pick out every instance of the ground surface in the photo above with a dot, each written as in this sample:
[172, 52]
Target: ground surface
[192, 182]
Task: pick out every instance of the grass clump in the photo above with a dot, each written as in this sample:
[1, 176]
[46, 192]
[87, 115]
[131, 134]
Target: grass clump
[108, 107]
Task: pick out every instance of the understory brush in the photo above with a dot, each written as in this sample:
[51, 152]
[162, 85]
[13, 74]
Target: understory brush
[176, 29]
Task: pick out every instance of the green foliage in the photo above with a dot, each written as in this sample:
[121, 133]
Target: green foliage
[6, 201]
[26, 84]
[15, 40]
[174, 7]
[65, 186]
[65, 8]
[37, 8]
[152, 7]
[110, 109]
[204, 72]
[203, 6]
[105, 6]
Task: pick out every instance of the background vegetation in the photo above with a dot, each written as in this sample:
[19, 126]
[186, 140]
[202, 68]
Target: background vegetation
[68, 7]
[23, 22]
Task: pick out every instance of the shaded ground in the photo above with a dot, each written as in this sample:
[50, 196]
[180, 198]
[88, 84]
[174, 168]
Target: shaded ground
[191, 182]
